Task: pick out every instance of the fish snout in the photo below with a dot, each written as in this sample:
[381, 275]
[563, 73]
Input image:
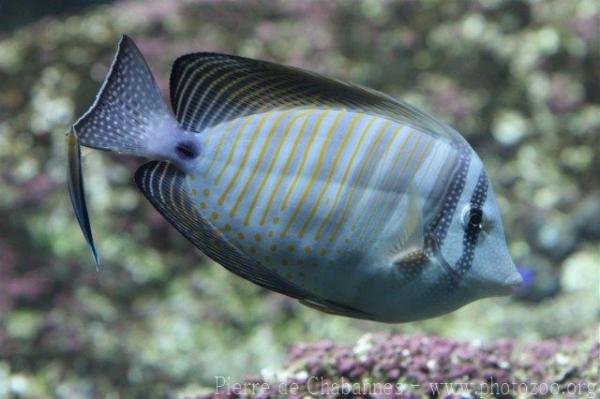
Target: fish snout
[514, 281]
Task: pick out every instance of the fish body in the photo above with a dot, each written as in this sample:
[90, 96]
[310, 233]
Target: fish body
[331, 193]
[297, 188]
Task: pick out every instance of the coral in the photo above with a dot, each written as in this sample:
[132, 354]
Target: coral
[416, 366]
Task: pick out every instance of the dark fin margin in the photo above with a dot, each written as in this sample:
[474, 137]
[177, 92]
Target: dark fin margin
[77, 192]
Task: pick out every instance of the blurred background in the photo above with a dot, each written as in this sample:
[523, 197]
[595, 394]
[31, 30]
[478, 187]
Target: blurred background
[519, 79]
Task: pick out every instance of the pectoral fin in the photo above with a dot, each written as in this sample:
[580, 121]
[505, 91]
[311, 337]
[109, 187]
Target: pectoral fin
[77, 192]
[408, 238]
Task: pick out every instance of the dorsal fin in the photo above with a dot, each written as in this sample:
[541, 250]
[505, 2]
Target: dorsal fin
[210, 88]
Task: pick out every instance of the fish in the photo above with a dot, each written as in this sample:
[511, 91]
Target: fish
[342, 197]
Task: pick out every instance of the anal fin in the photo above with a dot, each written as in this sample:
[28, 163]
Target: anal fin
[336, 309]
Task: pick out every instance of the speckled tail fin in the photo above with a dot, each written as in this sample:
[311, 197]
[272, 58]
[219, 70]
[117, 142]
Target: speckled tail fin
[128, 115]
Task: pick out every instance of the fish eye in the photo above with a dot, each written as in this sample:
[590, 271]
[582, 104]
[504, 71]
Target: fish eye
[472, 218]
[475, 218]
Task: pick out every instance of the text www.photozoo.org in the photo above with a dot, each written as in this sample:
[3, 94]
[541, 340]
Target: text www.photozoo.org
[320, 386]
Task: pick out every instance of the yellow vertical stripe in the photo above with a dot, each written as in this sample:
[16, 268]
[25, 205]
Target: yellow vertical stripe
[392, 174]
[342, 184]
[205, 93]
[429, 162]
[410, 177]
[182, 196]
[410, 156]
[215, 96]
[238, 136]
[249, 101]
[385, 171]
[362, 170]
[160, 184]
[240, 125]
[303, 159]
[171, 196]
[274, 159]
[409, 160]
[419, 160]
[241, 166]
[315, 175]
[188, 80]
[259, 160]
[336, 159]
[283, 173]
[273, 99]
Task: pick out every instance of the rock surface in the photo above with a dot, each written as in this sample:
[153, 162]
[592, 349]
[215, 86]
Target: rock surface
[402, 366]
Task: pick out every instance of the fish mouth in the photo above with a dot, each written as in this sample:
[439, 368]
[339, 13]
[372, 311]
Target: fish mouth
[491, 286]
[508, 286]
[513, 282]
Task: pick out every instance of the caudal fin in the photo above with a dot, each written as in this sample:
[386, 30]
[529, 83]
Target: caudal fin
[77, 193]
[128, 115]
